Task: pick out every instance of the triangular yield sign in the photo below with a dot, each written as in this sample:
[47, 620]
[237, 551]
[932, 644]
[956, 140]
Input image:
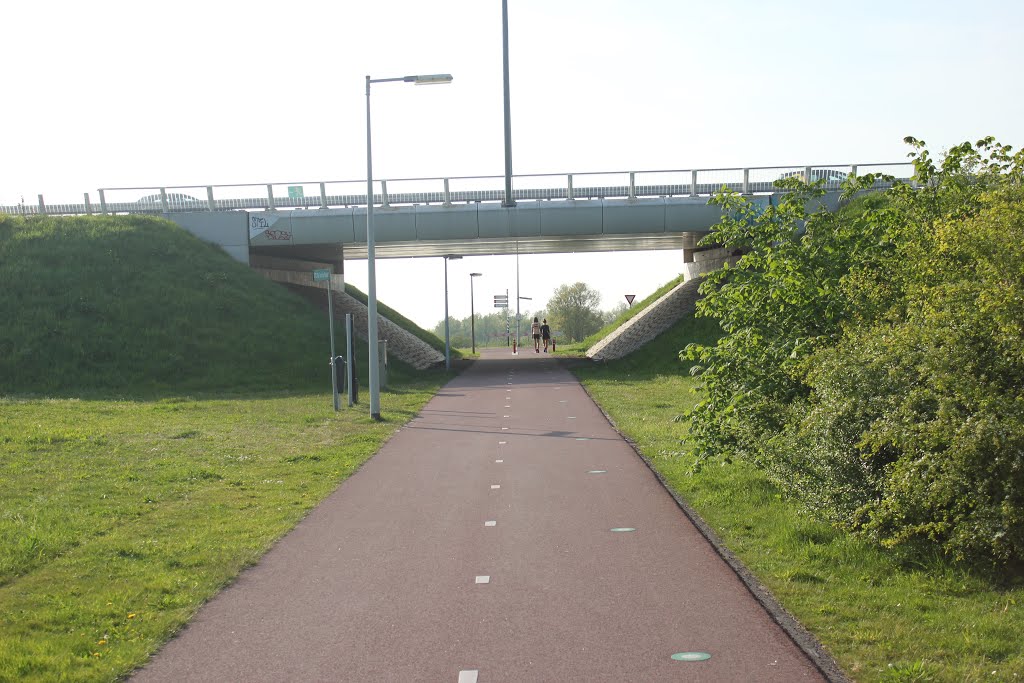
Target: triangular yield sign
[629, 298]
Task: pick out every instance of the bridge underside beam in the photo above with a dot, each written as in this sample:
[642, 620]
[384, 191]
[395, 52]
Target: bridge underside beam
[526, 245]
[319, 254]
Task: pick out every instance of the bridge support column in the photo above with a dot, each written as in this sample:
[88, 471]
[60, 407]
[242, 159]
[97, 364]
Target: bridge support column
[703, 260]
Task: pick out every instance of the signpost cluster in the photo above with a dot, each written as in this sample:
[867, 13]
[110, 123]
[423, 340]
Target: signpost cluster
[324, 275]
[501, 301]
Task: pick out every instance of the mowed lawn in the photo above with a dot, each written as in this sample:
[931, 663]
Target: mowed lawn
[119, 518]
[885, 617]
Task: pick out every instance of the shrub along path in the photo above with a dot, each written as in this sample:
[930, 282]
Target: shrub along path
[507, 533]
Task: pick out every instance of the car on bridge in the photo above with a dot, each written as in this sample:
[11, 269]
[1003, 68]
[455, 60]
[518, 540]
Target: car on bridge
[176, 201]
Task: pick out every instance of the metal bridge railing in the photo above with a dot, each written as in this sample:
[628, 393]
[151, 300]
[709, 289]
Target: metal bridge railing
[457, 189]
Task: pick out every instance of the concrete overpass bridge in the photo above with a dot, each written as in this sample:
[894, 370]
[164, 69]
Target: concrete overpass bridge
[325, 221]
[286, 230]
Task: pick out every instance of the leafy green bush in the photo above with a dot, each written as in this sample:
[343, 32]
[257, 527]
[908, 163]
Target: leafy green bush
[783, 299]
[873, 362]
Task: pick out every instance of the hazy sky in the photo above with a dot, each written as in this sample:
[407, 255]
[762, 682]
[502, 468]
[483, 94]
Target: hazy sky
[110, 93]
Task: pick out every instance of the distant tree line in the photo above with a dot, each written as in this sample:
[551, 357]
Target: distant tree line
[572, 312]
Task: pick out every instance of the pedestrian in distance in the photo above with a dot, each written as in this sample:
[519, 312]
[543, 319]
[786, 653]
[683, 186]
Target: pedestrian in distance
[535, 331]
[545, 334]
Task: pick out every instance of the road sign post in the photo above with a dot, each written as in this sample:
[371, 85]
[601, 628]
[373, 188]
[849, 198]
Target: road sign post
[629, 298]
[321, 275]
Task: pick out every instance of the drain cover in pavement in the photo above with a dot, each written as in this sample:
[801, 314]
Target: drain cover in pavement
[691, 656]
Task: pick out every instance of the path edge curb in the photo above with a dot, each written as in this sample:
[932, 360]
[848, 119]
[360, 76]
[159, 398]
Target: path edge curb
[801, 637]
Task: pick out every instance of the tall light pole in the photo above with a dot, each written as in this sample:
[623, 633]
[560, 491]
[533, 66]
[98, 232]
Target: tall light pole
[472, 311]
[371, 288]
[509, 200]
[518, 299]
[447, 336]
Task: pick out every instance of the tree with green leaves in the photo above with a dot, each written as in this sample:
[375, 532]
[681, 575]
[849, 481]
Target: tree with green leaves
[573, 311]
[872, 363]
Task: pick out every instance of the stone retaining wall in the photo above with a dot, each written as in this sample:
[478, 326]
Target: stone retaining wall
[402, 344]
[649, 323]
[666, 311]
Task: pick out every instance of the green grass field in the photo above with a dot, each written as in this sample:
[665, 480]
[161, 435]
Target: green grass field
[165, 416]
[119, 518]
[884, 617]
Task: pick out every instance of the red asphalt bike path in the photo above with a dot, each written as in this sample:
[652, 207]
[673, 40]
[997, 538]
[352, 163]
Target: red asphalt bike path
[477, 546]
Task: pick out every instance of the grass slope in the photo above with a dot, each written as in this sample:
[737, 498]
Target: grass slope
[885, 617]
[165, 416]
[117, 301]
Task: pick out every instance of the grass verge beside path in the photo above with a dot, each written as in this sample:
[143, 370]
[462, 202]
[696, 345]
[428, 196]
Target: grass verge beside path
[883, 617]
[119, 518]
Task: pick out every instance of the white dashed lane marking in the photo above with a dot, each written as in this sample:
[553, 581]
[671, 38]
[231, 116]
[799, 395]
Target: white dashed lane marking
[483, 579]
[491, 523]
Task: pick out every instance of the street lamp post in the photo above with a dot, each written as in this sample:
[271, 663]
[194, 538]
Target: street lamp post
[508, 200]
[371, 288]
[518, 299]
[447, 336]
[472, 311]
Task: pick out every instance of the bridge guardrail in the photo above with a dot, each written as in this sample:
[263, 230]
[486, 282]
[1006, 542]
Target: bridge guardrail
[454, 189]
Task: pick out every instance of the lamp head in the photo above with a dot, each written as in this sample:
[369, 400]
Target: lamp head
[475, 274]
[429, 79]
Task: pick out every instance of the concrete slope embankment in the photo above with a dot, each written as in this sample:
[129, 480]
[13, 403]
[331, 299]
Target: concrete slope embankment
[402, 344]
[649, 323]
